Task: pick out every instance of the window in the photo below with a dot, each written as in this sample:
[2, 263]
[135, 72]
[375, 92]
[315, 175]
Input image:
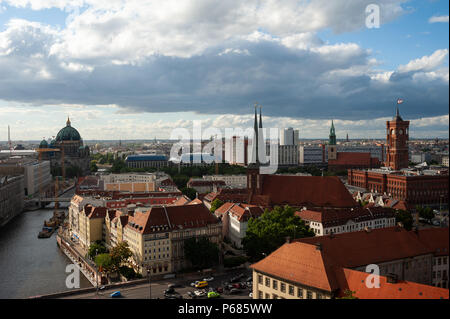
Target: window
[275, 285]
[274, 296]
[267, 296]
[260, 295]
[282, 287]
[308, 295]
[260, 279]
[300, 293]
[319, 296]
[291, 290]
[267, 282]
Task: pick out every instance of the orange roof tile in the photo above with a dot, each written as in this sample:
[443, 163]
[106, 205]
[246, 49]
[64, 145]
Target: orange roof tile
[355, 281]
[315, 191]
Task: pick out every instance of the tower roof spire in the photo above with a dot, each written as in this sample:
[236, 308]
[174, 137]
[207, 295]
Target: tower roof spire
[68, 121]
[256, 134]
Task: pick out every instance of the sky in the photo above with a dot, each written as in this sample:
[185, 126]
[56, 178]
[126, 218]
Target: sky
[139, 69]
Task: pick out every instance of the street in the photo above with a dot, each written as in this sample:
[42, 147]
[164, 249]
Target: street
[142, 291]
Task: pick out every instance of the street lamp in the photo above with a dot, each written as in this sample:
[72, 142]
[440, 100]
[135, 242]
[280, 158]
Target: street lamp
[149, 275]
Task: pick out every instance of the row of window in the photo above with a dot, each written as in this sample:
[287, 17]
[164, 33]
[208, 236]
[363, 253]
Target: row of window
[284, 288]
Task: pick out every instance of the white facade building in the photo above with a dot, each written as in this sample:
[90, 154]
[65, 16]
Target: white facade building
[289, 136]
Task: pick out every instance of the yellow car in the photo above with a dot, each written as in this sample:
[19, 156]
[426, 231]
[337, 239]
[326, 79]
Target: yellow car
[201, 284]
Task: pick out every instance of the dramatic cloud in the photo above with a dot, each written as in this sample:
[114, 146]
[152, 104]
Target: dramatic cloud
[214, 57]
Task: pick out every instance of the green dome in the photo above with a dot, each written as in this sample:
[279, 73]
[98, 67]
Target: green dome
[68, 133]
[43, 144]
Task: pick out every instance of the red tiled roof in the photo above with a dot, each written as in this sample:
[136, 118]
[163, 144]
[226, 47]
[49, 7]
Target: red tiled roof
[356, 281]
[360, 248]
[437, 239]
[354, 159]
[223, 209]
[310, 191]
[299, 262]
[319, 261]
[171, 217]
[97, 212]
[192, 183]
[336, 217]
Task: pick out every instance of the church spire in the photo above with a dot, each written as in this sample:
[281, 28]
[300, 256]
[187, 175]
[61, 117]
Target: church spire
[332, 140]
[256, 134]
[68, 121]
[260, 117]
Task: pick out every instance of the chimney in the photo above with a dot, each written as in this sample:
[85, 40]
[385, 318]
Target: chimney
[392, 278]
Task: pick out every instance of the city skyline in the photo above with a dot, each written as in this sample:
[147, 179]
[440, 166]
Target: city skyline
[123, 72]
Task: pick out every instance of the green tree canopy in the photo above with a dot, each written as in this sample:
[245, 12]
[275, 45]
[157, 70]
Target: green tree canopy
[215, 204]
[200, 252]
[189, 192]
[96, 249]
[404, 217]
[268, 232]
[425, 213]
[120, 254]
[104, 261]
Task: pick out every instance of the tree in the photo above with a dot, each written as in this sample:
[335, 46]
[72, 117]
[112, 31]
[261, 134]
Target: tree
[93, 166]
[404, 217]
[268, 232]
[96, 249]
[120, 254]
[426, 213]
[215, 204]
[200, 252]
[104, 261]
[189, 192]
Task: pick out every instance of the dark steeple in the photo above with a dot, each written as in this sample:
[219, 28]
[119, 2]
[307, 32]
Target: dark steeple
[260, 117]
[256, 135]
[397, 115]
[332, 140]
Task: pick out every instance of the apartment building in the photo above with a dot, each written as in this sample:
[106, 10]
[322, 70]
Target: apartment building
[334, 221]
[319, 267]
[156, 236]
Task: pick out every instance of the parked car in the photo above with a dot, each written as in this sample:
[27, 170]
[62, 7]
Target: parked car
[208, 279]
[250, 295]
[170, 290]
[201, 284]
[194, 283]
[116, 294]
[199, 293]
[219, 289]
[213, 294]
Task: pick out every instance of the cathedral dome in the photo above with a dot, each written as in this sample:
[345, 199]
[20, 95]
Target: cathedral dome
[68, 133]
[43, 144]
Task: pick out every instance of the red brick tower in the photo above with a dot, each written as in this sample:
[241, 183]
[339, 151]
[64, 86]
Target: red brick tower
[397, 132]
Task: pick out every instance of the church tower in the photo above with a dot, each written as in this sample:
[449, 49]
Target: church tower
[397, 132]
[254, 178]
[332, 149]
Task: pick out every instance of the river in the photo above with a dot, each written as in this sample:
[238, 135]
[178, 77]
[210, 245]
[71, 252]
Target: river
[30, 266]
